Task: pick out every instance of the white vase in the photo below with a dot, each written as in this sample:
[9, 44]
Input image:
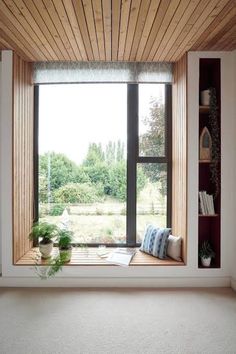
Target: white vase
[206, 262]
[46, 249]
[205, 97]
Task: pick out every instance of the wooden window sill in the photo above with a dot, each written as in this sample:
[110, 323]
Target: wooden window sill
[89, 257]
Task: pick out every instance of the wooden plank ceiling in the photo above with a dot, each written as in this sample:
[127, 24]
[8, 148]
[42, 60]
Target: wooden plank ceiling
[116, 30]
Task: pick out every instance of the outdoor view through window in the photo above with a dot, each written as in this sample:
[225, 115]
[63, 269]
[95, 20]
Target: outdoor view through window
[83, 159]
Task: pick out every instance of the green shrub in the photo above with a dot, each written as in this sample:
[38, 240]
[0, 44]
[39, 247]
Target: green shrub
[57, 209]
[76, 193]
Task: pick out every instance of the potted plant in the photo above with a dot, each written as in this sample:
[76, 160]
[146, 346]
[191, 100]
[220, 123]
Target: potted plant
[45, 232]
[65, 238]
[206, 253]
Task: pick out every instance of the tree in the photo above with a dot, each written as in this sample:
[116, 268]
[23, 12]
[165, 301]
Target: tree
[94, 155]
[55, 170]
[120, 151]
[152, 143]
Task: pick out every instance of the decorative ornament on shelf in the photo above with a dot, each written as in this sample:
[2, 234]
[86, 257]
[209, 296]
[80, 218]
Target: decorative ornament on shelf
[205, 97]
[205, 145]
[215, 135]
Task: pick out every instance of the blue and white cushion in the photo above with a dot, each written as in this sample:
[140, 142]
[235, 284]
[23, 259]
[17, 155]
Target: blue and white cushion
[155, 241]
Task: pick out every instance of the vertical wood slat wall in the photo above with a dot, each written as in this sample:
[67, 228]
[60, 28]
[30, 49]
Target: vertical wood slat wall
[22, 156]
[179, 153]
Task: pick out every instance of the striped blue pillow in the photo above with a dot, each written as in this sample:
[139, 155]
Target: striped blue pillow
[155, 241]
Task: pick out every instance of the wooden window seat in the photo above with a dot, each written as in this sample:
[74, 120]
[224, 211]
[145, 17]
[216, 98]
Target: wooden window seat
[88, 257]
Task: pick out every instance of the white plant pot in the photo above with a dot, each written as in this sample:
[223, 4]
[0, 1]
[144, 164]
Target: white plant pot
[206, 262]
[205, 98]
[46, 249]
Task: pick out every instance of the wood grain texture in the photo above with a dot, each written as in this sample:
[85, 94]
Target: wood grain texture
[89, 257]
[22, 156]
[115, 30]
[179, 153]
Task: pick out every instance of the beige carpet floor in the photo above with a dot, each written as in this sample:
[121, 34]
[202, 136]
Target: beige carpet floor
[71, 321]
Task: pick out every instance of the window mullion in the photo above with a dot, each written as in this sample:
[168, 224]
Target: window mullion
[168, 94]
[132, 154]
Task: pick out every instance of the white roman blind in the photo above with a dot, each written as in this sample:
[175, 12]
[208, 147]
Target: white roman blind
[106, 72]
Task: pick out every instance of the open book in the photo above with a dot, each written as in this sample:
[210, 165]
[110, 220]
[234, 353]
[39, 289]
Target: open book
[121, 256]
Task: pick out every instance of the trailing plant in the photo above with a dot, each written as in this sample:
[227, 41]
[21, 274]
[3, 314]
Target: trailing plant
[49, 271]
[206, 251]
[44, 230]
[215, 135]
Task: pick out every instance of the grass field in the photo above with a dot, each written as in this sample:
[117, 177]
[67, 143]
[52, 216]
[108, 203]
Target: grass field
[104, 228]
[105, 222]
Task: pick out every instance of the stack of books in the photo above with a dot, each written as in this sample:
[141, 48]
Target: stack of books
[206, 203]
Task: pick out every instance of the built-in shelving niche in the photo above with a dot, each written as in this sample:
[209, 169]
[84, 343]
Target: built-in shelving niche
[209, 225]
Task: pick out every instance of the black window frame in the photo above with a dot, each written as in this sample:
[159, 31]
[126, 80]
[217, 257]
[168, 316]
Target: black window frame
[133, 158]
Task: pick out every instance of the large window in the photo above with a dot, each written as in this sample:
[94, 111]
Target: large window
[103, 159]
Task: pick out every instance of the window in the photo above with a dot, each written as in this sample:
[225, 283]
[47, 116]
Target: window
[103, 159]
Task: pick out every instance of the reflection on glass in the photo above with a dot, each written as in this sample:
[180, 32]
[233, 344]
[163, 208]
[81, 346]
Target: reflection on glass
[152, 120]
[82, 162]
[151, 196]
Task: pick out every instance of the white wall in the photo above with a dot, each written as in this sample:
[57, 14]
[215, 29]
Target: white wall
[5, 158]
[188, 275]
[233, 268]
[0, 176]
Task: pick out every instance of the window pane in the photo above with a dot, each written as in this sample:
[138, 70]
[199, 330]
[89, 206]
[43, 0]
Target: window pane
[82, 163]
[151, 196]
[152, 120]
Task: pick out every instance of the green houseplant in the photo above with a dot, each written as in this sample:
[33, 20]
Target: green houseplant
[45, 232]
[206, 253]
[65, 238]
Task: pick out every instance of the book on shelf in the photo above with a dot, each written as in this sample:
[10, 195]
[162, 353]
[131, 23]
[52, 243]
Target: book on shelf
[206, 203]
[121, 256]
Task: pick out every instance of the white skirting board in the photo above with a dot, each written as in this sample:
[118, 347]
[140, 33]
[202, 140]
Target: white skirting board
[114, 282]
[233, 284]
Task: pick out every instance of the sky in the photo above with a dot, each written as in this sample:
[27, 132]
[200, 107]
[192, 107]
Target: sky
[73, 115]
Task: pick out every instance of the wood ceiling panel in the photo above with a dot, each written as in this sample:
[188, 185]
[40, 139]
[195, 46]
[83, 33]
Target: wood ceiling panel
[222, 22]
[172, 9]
[116, 7]
[73, 27]
[38, 17]
[227, 38]
[15, 16]
[79, 11]
[106, 8]
[42, 10]
[115, 30]
[17, 39]
[202, 23]
[98, 19]
[67, 27]
[150, 21]
[49, 6]
[183, 12]
[36, 26]
[139, 28]
[187, 28]
[88, 10]
[160, 15]
[134, 11]
[124, 20]
[8, 43]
